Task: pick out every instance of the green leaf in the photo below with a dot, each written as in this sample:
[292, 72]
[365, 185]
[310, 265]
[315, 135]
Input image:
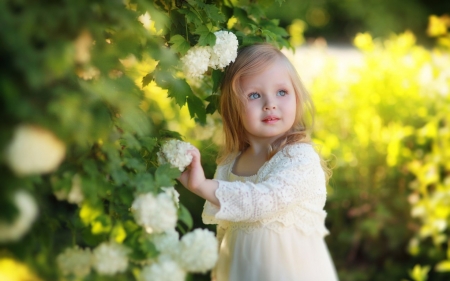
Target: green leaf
[213, 104]
[179, 44]
[165, 175]
[196, 108]
[130, 141]
[214, 13]
[243, 18]
[270, 36]
[163, 78]
[161, 19]
[90, 167]
[134, 164]
[170, 134]
[148, 143]
[250, 40]
[179, 89]
[119, 175]
[207, 38]
[256, 11]
[147, 79]
[134, 120]
[149, 248]
[217, 76]
[274, 28]
[185, 216]
[144, 183]
[191, 16]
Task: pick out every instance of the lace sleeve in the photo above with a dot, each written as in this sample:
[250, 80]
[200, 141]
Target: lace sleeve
[294, 178]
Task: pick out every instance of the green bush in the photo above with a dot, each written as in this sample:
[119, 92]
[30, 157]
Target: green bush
[80, 126]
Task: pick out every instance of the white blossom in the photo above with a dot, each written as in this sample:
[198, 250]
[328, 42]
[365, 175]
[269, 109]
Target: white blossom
[34, 150]
[163, 270]
[75, 195]
[167, 243]
[75, 261]
[173, 193]
[155, 214]
[195, 62]
[198, 251]
[27, 213]
[176, 153]
[224, 51]
[110, 258]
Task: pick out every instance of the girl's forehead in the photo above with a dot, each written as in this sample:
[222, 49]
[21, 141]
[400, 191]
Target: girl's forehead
[272, 72]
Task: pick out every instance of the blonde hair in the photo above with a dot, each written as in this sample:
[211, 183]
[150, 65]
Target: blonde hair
[252, 60]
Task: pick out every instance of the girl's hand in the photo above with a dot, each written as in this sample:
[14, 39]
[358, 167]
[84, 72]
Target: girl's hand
[194, 175]
[193, 178]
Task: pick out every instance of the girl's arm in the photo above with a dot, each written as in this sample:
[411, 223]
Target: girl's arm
[193, 178]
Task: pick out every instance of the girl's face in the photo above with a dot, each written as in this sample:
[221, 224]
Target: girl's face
[270, 110]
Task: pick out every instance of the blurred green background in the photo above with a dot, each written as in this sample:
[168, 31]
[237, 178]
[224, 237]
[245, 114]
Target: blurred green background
[338, 21]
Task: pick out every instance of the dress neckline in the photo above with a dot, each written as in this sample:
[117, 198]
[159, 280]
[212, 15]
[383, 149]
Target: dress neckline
[257, 172]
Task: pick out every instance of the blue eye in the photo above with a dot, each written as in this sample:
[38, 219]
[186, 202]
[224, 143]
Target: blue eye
[281, 93]
[253, 96]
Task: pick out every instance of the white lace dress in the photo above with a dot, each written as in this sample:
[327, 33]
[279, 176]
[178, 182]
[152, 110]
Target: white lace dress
[270, 226]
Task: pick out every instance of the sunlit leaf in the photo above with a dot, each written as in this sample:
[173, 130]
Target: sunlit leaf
[180, 44]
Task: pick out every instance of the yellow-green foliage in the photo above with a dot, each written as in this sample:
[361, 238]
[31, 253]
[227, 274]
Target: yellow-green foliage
[384, 125]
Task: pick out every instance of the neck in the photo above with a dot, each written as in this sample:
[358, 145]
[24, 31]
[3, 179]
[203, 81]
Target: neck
[258, 149]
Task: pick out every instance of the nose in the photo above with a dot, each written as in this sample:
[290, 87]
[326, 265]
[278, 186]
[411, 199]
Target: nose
[269, 105]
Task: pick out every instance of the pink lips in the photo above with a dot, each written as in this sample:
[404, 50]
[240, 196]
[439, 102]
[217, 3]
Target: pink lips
[270, 119]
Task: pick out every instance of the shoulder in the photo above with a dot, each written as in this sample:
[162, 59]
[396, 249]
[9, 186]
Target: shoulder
[292, 160]
[295, 156]
[300, 152]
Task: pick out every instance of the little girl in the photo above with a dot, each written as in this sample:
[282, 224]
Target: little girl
[269, 190]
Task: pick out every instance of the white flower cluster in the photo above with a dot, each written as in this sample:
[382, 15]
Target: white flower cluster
[198, 251]
[167, 243]
[34, 150]
[163, 270]
[155, 214]
[75, 261]
[173, 193]
[176, 153]
[108, 258]
[199, 58]
[196, 61]
[28, 211]
[225, 50]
